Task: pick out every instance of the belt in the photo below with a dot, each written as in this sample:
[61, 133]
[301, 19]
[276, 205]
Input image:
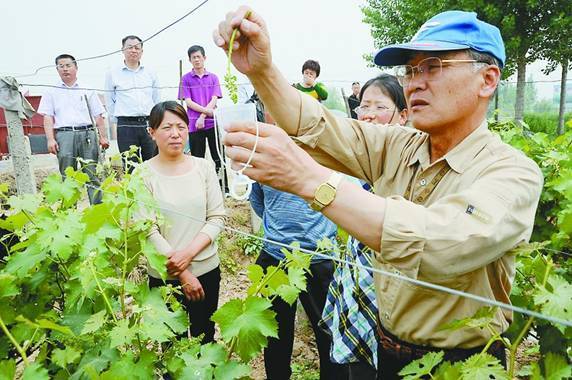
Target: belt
[76, 128]
[132, 120]
[405, 351]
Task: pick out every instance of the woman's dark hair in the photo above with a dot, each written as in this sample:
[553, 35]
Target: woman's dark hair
[389, 85]
[158, 113]
[312, 65]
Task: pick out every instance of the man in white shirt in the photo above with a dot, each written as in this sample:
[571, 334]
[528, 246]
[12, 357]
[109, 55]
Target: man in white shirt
[132, 89]
[68, 110]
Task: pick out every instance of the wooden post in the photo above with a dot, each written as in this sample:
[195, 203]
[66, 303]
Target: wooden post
[180, 79]
[20, 153]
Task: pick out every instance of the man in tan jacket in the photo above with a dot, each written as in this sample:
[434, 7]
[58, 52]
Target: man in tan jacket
[451, 199]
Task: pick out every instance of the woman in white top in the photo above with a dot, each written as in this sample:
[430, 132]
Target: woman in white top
[187, 191]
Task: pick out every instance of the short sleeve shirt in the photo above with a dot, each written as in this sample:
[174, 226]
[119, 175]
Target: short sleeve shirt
[200, 90]
[68, 106]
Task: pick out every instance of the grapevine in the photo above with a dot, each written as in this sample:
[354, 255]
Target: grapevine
[230, 80]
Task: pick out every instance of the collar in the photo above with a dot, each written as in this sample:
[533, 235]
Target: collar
[63, 84]
[193, 73]
[460, 157]
[125, 67]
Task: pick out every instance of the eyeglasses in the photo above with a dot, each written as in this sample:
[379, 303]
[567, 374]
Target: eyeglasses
[428, 69]
[374, 109]
[64, 66]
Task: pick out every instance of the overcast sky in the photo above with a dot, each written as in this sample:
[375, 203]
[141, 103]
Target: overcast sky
[34, 32]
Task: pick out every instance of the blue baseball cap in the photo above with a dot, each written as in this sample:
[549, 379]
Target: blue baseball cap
[450, 30]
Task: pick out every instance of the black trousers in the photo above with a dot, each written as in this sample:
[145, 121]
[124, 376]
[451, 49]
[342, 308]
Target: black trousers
[199, 312]
[197, 141]
[278, 354]
[137, 135]
[389, 366]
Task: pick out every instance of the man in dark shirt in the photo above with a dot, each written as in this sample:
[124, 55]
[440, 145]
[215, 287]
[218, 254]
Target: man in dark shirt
[353, 99]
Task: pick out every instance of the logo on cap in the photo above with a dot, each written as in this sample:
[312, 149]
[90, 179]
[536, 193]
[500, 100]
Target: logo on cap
[427, 25]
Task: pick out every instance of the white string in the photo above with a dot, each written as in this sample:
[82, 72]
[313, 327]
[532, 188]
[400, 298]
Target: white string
[239, 179]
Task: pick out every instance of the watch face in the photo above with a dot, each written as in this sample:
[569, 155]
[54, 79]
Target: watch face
[325, 194]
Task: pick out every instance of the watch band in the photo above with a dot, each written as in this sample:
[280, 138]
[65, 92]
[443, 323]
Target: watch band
[326, 190]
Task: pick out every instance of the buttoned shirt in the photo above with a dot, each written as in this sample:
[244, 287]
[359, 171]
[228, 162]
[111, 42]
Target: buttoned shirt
[460, 236]
[67, 105]
[131, 92]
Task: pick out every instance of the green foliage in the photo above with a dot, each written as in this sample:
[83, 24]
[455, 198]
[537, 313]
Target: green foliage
[67, 292]
[420, 368]
[544, 122]
[251, 246]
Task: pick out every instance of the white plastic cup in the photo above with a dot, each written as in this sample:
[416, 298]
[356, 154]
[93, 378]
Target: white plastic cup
[223, 117]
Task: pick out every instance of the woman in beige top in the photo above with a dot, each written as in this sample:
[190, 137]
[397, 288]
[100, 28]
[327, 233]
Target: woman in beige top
[187, 191]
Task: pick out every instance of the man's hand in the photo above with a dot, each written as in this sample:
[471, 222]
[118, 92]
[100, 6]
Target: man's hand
[278, 161]
[191, 286]
[53, 146]
[200, 123]
[178, 262]
[103, 142]
[251, 52]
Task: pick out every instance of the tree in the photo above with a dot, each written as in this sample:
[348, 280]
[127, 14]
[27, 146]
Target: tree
[522, 24]
[556, 47]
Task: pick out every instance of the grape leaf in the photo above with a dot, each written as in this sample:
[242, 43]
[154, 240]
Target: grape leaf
[421, 367]
[7, 369]
[556, 302]
[231, 370]
[483, 317]
[556, 367]
[21, 263]
[122, 334]
[255, 273]
[156, 260]
[127, 368]
[25, 202]
[95, 322]
[94, 361]
[297, 278]
[199, 364]
[288, 293]
[448, 371]
[45, 324]
[159, 323]
[483, 366]
[250, 322]
[8, 287]
[35, 371]
[64, 357]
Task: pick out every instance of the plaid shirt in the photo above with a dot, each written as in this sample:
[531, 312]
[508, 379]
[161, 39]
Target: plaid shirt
[350, 313]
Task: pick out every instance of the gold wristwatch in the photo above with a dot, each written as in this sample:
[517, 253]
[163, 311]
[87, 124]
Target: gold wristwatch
[326, 192]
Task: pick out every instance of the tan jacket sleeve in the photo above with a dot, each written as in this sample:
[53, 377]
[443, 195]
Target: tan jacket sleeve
[466, 230]
[349, 146]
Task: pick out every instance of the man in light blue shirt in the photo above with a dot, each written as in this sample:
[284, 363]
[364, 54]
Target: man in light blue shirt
[132, 89]
[287, 218]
